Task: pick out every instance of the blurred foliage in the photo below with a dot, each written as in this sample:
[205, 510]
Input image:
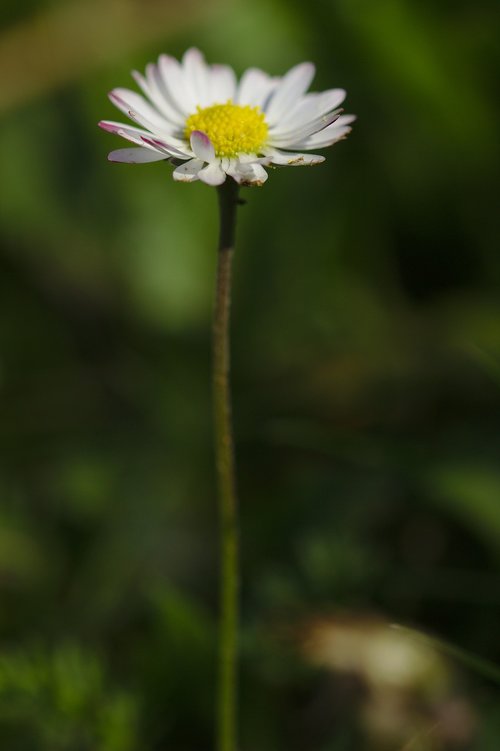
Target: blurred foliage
[59, 701]
[366, 382]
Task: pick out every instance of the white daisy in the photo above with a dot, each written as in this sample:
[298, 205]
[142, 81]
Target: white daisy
[199, 117]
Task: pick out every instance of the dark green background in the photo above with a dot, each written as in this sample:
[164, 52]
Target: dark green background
[366, 382]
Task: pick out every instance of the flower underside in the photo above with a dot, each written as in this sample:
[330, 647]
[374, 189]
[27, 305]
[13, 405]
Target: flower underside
[233, 129]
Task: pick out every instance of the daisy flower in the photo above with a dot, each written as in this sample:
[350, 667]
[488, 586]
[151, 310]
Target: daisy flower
[211, 126]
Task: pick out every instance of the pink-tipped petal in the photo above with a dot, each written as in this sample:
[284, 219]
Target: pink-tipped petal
[109, 126]
[166, 148]
[173, 147]
[202, 146]
[132, 134]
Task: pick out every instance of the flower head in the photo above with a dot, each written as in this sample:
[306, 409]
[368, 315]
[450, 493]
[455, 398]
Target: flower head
[210, 126]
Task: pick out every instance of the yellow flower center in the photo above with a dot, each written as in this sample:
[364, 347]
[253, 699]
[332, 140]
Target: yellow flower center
[232, 128]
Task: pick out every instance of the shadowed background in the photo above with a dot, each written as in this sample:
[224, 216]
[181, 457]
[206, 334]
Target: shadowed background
[366, 383]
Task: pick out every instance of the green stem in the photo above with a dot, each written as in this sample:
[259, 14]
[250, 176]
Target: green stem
[224, 454]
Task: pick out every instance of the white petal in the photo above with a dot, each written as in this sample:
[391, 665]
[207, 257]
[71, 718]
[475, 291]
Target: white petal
[173, 120]
[196, 75]
[258, 175]
[161, 97]
[333, 98]
[253, 159]
[255, 88]
[319, 141]
[223, 84]
[127, 100]
[305, 109]
[291, 136]
[174, 80]
[308, 108]
[212, 174]
[136, 156]
[202, 146]
[292, 86]
[247, 174]
[293, 160]
[157, 131]
[188, 172]
[327, 137]
[345, 120]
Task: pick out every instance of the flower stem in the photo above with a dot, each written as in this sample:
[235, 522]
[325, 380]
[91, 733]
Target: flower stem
[224, 454]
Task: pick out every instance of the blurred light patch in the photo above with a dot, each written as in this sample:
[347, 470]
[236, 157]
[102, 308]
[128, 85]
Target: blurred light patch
[410, 695]
[58, 45]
